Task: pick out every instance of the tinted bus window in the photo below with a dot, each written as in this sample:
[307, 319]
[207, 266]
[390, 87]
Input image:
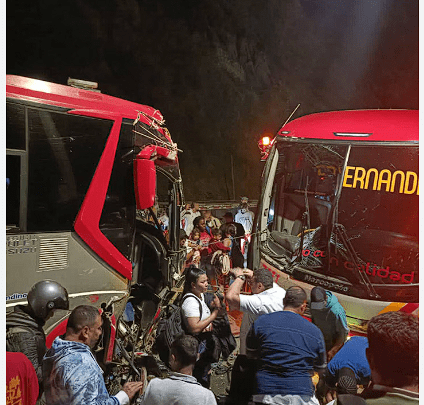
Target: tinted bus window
[15, 126]
[13, 174]
[379, 210]
[64, 151]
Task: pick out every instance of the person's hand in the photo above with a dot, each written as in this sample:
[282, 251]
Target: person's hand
[131, 388]
[216, 303]
[237, 271]
[330, 396]
[248, 273]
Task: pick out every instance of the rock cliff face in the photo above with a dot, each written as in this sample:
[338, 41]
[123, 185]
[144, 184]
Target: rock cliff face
[223, 72]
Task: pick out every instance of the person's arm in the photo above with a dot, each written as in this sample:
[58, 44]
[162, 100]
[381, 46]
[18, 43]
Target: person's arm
[233, 293]
[195, 325]
[320, 363]
[341, 334]
[30, 346]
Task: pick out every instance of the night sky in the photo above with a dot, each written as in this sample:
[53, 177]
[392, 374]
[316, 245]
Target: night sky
[223, 72]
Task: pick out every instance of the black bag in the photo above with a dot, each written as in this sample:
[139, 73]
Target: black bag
[212, 352]
[170, 327]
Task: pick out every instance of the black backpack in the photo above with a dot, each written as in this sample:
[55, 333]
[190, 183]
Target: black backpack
[170, 327]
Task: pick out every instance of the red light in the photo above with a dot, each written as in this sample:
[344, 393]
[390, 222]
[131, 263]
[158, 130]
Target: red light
[266, 140]
[264, 145]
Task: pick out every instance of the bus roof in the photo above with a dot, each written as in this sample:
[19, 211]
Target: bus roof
[358, 125]
[39, 91]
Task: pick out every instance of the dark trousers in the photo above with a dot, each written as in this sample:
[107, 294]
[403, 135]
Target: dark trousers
[201, 372]
[242, 380]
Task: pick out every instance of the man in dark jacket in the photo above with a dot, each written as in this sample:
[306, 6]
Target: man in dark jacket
[329, 315]
[24, 326]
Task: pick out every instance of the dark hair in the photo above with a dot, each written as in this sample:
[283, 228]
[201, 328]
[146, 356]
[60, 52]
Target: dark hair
[263, 276]
[229, 214]
[197, 220]
[195, 230]
[82, 315]
[230, 229]
[393, 345]
[185, 349]
[216, 232]
[295, 297]
[192, 273]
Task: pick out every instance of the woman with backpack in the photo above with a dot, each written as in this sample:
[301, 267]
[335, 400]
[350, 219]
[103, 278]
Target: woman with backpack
[198, 318]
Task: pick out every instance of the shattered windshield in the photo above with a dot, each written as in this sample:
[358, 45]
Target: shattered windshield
[348, 214]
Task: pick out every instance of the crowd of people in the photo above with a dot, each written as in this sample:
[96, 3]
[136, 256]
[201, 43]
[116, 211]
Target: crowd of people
[216, 244]
[283, 358]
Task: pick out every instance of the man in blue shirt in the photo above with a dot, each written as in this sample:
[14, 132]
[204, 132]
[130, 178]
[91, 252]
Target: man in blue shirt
[71, 373]
[288, 349]
[349, 367]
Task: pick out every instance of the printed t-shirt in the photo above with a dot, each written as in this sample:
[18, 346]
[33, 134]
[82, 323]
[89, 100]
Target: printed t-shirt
[289, 348]
[21, 380]
[267, 301]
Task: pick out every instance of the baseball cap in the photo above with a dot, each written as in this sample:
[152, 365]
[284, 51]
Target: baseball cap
[318, 298]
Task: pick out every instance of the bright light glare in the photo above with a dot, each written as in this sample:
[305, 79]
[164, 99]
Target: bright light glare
[39, 85]
[266, 140]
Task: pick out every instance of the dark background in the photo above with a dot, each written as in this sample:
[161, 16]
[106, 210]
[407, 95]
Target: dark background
[223, 72]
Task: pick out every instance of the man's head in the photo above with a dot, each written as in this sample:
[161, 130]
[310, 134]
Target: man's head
[295, 300]
[183, 352]
[392, 350]
[228, 217]
[207, 214]
[195, 207]
[262, 280]
[84, 325]
[318, 298]
[244, 208]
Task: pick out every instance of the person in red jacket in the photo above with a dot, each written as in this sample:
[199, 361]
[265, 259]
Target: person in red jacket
[21, 380]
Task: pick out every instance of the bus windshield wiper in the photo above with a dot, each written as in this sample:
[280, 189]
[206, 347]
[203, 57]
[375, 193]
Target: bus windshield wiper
[363, 277]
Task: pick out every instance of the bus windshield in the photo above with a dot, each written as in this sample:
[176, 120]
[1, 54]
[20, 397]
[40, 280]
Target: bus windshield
[347, 214]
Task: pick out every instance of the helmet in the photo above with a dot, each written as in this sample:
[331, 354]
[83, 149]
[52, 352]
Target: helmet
[46, 296]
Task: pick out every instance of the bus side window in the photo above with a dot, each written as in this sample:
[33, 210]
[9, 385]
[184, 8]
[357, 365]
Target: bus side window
[15, 157]
[13, 198]
[15, 126]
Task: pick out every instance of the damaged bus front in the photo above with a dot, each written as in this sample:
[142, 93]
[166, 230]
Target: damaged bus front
[339, 209]
[85, 172]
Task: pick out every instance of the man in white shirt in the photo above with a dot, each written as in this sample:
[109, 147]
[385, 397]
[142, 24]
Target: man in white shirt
[245, 217]
[188, 218]
[266, 297]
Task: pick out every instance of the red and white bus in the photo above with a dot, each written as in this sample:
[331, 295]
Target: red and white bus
[339, 209]
[83, 172]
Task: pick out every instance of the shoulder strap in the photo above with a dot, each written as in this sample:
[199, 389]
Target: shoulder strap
[200, 303]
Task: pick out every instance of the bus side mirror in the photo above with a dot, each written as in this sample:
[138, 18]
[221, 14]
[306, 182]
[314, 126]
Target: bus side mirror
[144, 183]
